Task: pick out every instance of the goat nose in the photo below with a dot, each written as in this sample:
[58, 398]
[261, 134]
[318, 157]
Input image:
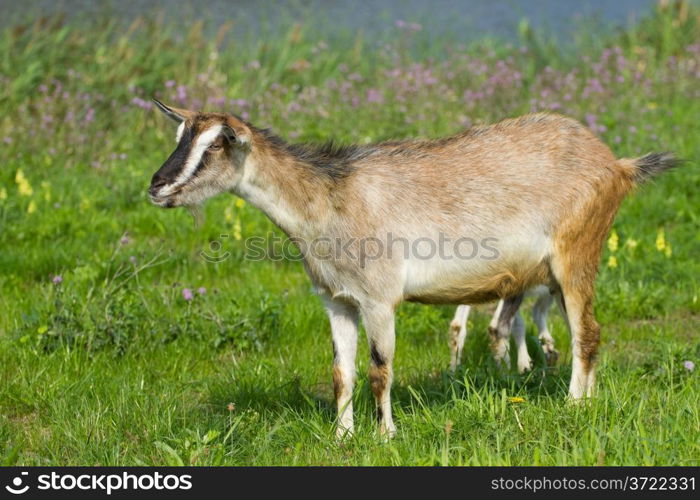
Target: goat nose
[156, 183]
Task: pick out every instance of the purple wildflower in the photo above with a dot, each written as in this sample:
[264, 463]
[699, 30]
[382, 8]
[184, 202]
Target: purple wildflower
[689, 365]
[374, 95]
[201, 290]
[219, 102]
[187, 294]
[141, 103]
[57, 280]
[181, 93]
[591, 121]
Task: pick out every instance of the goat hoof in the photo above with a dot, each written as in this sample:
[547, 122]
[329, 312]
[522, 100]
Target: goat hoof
[551, 354]
[342, 435]
[502, 363]
[386, 434]
[525, 367]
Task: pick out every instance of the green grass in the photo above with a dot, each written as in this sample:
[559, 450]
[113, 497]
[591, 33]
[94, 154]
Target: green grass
[113, 367]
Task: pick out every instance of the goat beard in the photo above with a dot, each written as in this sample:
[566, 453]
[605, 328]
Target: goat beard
[197, 212]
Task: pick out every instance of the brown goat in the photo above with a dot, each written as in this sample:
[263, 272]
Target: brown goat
[534, 197]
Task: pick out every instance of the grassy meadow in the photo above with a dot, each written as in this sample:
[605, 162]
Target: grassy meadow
[121, 345]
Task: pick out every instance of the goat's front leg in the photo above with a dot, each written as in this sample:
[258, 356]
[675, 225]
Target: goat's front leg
[343, 318]
[379, 324]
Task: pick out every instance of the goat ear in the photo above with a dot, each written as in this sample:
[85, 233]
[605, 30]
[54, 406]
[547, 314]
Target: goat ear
[175, 114]
[237, 131]
[229, 133]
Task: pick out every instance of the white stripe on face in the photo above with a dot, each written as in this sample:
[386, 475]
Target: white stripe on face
[200, 146]
[180, 130]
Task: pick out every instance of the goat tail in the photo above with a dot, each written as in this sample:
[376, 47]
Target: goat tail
[647, 167]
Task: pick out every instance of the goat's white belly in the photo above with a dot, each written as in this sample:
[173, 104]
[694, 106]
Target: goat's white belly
[427, 274]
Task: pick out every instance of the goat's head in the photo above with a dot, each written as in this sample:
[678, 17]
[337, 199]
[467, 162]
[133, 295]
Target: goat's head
[208, 160]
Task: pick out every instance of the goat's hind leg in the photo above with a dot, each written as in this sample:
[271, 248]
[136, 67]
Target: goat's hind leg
[585, 336]
[500, 327]
[576, 301]
[458, 334]
[518, 331]
[539, 314]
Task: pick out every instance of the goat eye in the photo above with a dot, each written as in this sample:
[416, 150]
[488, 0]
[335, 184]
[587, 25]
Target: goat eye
[214, 147]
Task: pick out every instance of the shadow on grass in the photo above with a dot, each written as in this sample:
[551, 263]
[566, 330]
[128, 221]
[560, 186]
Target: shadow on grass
[265, 398]
[479, 372]
[439, 388]
[435, 389]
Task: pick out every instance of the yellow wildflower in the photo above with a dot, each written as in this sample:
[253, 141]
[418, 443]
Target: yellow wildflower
[613, 241]
[660, 240]
[631, 243]
[612, 261]
[237, 229]
[3, 194]
[23, 186]
[668, 251]
[47, 190]
[228, 214]
[240, 203]
[516, 399]
[31, 208]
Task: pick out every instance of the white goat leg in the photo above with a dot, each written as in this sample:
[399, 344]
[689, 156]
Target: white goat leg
[378, 320]
[344, 319]
[518, 332]
[540, 312]
[499, 345]
[458, 334]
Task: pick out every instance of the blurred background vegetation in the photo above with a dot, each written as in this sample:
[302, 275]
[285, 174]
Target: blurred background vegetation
[102, 294]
